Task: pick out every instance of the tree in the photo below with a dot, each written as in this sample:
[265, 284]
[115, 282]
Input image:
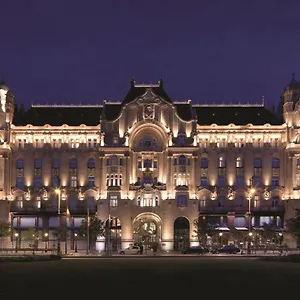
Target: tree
[238, 235]
[4, 230]
[96, 228]
[203, 229]
[293, 226]
[32, 235]
[268, 233]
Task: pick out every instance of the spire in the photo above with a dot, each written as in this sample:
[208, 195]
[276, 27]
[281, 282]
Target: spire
[132, 82]
[3, 84]
[293, 79]
[161, 82]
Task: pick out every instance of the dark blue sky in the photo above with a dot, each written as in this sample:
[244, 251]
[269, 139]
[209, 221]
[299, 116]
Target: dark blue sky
[75, 51]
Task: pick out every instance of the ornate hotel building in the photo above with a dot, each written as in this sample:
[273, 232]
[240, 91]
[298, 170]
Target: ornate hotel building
[150, 165]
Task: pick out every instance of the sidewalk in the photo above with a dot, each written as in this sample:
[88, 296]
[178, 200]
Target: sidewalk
[165, 254]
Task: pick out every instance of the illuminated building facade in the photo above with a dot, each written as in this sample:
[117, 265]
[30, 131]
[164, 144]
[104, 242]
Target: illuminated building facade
[150, 165]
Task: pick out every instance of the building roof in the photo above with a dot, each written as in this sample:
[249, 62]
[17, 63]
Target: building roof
[90, 115]
[238, 115]
[39, 115]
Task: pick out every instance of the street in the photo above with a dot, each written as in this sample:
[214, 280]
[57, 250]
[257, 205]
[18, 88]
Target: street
[151, 276]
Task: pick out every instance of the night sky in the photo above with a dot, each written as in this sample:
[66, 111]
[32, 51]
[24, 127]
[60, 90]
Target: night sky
[75, 51]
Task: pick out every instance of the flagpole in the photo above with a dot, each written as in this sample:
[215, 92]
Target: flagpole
[88, 231]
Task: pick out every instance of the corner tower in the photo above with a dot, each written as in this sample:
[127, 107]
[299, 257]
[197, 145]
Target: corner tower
[6, 117]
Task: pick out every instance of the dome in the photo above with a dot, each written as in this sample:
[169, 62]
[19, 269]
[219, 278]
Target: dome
[3, 86]
[294, 84]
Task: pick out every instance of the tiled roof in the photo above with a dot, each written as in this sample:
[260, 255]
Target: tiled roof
[111, 111]
[238, 115]
[184, 111]
[90, 116]
[59, 115]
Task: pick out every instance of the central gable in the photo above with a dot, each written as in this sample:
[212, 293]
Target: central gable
[147, 92]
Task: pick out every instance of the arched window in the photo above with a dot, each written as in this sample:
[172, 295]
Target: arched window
[113, 160]
[91, 171]
[37, 182]
[20, 173]
[257, 162]
[239, 162]
[73, 172]
[73, 163]
[275, 163]
[55, 172]
[182, 160]
[20, 163]
[204, 163]
[91, 163]
[222, 162]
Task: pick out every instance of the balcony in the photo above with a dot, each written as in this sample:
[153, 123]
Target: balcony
[78, 210]
[268, 208]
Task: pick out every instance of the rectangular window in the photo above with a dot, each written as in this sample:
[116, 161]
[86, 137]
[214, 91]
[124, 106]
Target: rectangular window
[202, 203]
[38, 202]
[239, 181]
[256, 180]
[203, 182]
[20, 182]
[73, 179]
[275, 181]
[239, 222]
[20, 202]
[113, 201]
[182, 200]
[139, 164]
[221, 180]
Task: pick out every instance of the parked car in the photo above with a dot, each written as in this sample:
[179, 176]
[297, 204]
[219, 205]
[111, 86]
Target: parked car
[195, 250]
[132, 250]
[229, 249]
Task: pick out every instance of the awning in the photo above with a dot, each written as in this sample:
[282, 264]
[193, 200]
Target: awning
[223, 228]
[241, 228]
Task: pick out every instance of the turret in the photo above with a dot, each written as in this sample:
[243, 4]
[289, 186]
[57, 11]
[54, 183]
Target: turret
[290, 97]
[6, 110]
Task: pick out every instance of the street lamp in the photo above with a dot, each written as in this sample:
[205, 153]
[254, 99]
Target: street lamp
[46, 241]
[16, 236]
[220, 235]
[57, 191]
[251, 193]
[75, 238]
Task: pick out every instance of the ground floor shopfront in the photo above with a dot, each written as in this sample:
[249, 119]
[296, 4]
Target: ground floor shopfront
[147, 229]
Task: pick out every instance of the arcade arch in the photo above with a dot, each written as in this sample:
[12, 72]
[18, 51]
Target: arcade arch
[181, 233]
[147, 229]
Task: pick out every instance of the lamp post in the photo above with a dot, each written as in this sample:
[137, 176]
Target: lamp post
[220, 235]
[75, 238]
[46, 241]
[251, 192]
[16, 236]
[66, 227]
[57, 191]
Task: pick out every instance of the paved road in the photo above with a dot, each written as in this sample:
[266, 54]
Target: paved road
[153, 278]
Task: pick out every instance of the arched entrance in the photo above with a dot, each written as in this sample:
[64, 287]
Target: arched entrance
[181, 233]
[147, 230]
[113, 234]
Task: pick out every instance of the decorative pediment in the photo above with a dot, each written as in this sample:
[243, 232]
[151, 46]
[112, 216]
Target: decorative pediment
[148, 98]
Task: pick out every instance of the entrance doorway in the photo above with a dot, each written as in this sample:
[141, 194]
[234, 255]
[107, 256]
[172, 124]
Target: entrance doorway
[113, 234]
[147, 230]
[181, 233]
